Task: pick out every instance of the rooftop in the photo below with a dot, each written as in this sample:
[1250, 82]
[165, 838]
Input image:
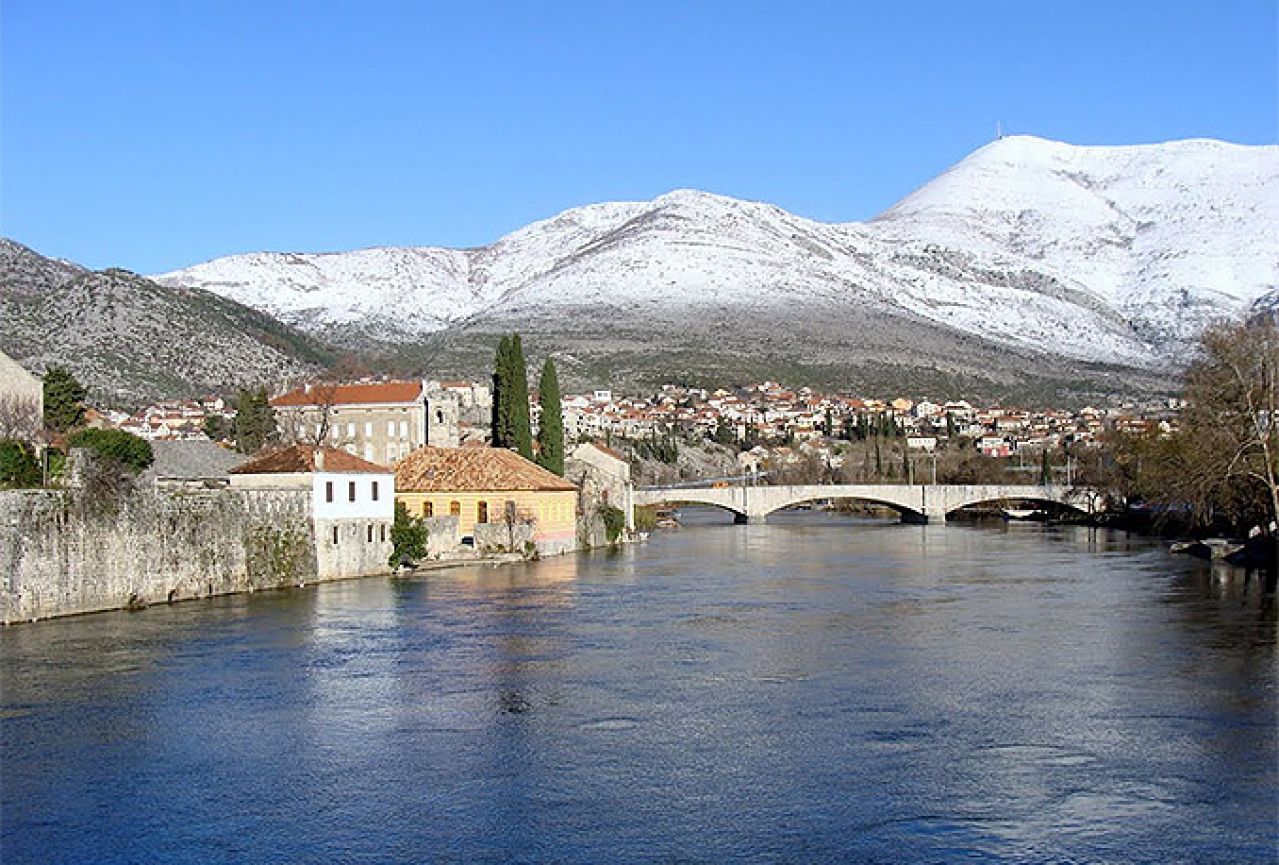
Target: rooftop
[308, 458]
[433, 469]
[352, 394]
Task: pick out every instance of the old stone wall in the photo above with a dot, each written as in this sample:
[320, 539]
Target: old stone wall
[61, 553]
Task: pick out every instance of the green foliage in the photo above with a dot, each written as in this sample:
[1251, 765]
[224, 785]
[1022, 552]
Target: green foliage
[254, 424]
[1045, 468]
[217, 428]
[645, 518]
[409, 535]
[63, 400]
[18, 465]
[503, 428]
[614, 522]
[114, 447]
[550, 433]
[661, 448]
[522, 423]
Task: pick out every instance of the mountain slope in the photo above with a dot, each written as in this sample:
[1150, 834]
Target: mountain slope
[127, 338]
[1029, 260]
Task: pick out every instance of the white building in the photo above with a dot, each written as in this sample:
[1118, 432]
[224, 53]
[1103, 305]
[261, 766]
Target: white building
[352, 504]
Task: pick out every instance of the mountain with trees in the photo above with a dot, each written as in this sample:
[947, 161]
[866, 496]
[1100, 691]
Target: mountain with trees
[128, 339]
[1029, 269]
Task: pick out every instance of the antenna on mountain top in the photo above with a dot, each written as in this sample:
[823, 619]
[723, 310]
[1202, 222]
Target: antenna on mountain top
[999, 130]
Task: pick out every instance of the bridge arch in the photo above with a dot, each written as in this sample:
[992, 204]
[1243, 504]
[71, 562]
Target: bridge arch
[908, 514]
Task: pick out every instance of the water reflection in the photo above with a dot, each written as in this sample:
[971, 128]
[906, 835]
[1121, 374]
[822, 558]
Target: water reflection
[818, 689]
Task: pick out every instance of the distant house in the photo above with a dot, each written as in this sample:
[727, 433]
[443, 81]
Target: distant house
[490, 487]
[351, 503]
[21, 401]
[927, 444]
[190, 465]
[380, 422]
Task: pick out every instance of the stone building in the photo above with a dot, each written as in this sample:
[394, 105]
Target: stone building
[352, 504]
[490, 491]
[21, 401]
[604, 478]
[380, 422]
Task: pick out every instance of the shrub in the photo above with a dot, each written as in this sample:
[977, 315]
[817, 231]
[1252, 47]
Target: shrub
[114, 446]
[408, 537]
[18, 466]
[614, 522]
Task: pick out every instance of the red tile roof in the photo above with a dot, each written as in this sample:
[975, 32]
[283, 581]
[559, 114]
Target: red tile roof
[352, 394]
[304, 458]
[439, 470]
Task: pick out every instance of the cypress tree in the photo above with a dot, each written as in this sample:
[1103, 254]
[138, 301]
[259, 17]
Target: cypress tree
[521, 423]
[550, 434]
[63, 399]
[502, 395]
[1045, 468]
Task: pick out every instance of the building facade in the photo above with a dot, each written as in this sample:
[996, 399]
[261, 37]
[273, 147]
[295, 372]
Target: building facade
[381, 422]
[489, 486]
[352, 504]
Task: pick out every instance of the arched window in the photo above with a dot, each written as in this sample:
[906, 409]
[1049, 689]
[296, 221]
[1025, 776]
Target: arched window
[455, 509]
[482, 512]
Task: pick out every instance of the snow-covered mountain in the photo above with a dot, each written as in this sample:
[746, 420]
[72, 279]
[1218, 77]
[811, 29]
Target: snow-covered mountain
[1029, 251]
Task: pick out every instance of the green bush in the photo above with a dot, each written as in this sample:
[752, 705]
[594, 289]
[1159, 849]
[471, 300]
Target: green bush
[18, 466]
[114, 446]
[614, 522]
[408, 537]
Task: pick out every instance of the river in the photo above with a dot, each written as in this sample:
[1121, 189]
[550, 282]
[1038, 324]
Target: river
[817, 689]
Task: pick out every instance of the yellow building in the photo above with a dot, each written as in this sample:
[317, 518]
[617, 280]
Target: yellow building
[481, 485]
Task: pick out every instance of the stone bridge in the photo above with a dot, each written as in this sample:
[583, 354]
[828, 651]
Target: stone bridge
[921, 503]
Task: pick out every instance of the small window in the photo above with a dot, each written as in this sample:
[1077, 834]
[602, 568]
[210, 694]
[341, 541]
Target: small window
[510, 511]
[328, 491]
[390, 429]
[455, 509]
[368, 429]
[335, 534]
[439, 416]
[383, 533]
[482, 512]
[375, 491]
[350, 430]
[370, 539]
[428, 509]
[404, 429]
[350, 490]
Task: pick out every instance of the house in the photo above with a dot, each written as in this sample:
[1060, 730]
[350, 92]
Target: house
[381, 422]
[190, 465]
[603, 477]
[928, 444]
[351, 504]
[21, 401]
[490, 491]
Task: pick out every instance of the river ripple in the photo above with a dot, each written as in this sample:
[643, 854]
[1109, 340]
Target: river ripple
[812, 690]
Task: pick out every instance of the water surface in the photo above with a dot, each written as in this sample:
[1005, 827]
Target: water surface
[812, 690]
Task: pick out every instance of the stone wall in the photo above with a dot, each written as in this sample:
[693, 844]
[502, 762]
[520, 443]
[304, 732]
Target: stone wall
[61, 554]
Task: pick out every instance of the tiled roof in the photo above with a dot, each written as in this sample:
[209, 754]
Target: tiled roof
[352, 394]
[303, 458]
[432, 469]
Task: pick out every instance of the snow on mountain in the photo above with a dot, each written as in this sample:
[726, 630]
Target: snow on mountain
[1110, 255]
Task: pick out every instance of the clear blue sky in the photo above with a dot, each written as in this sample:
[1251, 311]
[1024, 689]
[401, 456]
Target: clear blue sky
[153, 135]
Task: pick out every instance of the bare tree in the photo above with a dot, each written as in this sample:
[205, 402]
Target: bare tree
[313, 424]
[1226, 462]
[20, 417]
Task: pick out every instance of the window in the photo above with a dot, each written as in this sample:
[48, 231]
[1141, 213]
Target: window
[383, 533]
[370, 539]
[390, 429]
[368, 452]
[455, 509]
[439, 416]
[368, 429]
[404, 429]
[375, 491]
[328, 491]
[350, 490]
[350, 430]
[428, 509]
[335, 534]
[510, 511]
[482, 512]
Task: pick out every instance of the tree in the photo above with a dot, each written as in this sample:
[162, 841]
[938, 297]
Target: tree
[18, 466]
[215, 426]
[1224, 461]
[503, 427]
[63, 400]
[550, 433]
[522, 424]
[114, 447]
[409, 535]
[1045, 468]
[254, 421]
